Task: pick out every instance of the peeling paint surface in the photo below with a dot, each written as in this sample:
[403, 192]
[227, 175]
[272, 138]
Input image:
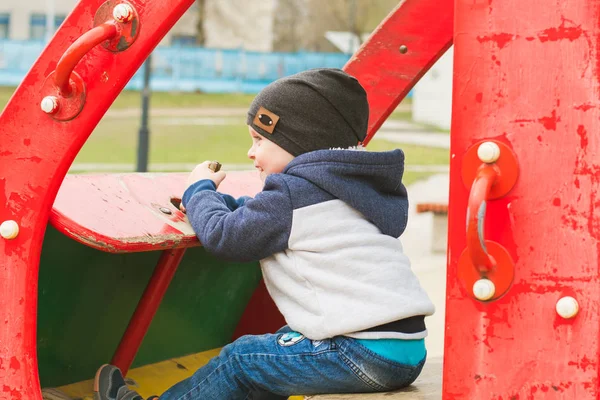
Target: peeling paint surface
[544, 60]
[121, 212]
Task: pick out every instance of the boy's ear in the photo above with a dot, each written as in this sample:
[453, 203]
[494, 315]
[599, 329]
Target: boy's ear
[266, 120]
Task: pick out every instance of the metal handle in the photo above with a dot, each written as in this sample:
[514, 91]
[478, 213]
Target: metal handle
[77, 50]
[485, 268]
[478, 197]
[116, 26]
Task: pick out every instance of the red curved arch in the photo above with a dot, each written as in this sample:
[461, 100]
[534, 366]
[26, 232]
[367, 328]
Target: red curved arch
[36, 150]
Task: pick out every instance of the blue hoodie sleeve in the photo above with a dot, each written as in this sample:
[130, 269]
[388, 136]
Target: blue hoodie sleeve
[256, 230]
[206, 184]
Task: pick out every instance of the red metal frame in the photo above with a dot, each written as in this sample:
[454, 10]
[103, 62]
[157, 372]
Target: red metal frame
[36, 152]
[425, 28]
[526, 73]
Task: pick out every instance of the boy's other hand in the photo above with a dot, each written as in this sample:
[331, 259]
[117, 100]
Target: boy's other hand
[202, 171]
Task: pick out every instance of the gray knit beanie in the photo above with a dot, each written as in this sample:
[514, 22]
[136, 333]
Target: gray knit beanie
[312, 110]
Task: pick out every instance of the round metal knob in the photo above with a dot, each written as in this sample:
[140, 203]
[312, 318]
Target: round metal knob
[9, 229]
[484, 289]
[567, 307]
[123, 13]
[49, 104]
[488, 152]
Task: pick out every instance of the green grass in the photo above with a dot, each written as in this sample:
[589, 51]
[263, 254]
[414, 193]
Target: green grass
[132, 99]
[114, 141]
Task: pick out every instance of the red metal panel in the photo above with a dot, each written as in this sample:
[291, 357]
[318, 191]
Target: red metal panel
[527, 74]
[121, 213]
[399, 52]
[35, 154]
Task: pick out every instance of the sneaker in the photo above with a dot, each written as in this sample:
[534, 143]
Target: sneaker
[107, 382]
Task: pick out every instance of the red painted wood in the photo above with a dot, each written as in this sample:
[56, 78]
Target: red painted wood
[527, 74]
[425, 28]
[121, 213]
[146, 309]
[35, 154]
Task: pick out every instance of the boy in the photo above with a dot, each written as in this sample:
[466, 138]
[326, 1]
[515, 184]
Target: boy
[325, 228]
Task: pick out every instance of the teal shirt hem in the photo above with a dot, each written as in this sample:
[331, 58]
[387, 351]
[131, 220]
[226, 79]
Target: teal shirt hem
[409, 352]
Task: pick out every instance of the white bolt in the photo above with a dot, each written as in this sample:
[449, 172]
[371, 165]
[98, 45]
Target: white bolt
[488, 152]
[484, 289]
[567, 307]
[123, 13]
[49, 104]
[9, 229]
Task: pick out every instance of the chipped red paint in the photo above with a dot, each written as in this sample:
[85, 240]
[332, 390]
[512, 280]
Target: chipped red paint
[121, 213]
[562, 32]
[501, 39]
[545, 62]
[36, 152]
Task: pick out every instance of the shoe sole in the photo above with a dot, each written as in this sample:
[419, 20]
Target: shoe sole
[97, 383]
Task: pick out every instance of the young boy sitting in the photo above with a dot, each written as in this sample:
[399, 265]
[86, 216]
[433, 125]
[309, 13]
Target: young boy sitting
[325, 228]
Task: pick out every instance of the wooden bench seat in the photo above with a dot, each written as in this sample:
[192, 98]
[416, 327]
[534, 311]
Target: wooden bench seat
[428, 386]
[439, 239]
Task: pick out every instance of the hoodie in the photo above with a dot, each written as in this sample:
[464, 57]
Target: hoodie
[325, 231]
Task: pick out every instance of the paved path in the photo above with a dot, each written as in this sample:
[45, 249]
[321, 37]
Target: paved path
[429, 139]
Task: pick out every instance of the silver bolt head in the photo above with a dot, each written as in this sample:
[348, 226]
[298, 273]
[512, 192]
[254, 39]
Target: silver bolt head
[123, 13]
[484, 289]
[49, 104]
[9, 229]
[567, 307]
[488, 152]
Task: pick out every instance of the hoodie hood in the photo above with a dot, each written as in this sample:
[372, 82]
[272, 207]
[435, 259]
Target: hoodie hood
[370, 182]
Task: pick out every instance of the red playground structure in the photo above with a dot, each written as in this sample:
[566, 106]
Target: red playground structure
[523, 287]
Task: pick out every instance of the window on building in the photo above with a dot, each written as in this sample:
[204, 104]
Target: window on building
[4, 26]
[37, 26]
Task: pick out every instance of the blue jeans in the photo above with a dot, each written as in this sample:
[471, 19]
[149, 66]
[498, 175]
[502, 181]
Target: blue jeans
[275, 366]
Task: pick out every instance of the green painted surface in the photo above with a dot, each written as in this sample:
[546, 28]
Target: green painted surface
[86, 298]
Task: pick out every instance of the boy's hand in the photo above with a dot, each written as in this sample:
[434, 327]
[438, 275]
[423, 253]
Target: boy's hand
[202, 171]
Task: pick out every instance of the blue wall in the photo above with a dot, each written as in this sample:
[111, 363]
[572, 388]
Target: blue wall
[188, 68]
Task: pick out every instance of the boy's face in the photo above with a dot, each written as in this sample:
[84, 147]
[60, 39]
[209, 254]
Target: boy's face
[267, 156]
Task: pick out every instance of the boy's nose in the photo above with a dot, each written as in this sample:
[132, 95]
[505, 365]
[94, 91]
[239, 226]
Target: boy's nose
[251, 153]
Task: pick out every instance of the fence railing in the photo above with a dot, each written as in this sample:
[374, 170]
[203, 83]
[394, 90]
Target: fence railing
[183, 68]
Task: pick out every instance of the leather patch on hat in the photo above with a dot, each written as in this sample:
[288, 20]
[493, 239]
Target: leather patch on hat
[265, 119]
